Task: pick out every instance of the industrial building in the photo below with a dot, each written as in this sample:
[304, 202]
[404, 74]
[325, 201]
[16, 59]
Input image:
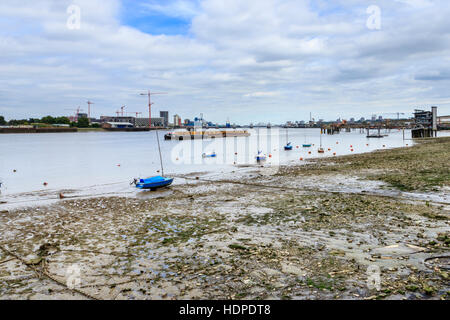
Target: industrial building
[425, 123]
[165, 116]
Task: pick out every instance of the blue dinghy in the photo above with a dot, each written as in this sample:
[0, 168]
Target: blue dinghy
[260, 156]
[288, 146]
[153, 183]
[212, 155]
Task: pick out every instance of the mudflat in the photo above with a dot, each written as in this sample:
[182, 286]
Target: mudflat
[367, 226]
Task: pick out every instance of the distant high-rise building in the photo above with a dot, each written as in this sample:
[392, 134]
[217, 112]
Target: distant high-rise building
[177, 120]
[165, 116]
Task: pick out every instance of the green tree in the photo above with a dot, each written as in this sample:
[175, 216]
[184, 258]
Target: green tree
[2, 121]
[48, 120]
[17, 122]
[83, 122]
[62, 120]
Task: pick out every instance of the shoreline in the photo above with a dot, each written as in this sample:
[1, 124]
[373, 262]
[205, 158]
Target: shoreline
[303, 232]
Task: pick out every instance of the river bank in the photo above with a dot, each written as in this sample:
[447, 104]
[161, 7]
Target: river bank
[317, 231]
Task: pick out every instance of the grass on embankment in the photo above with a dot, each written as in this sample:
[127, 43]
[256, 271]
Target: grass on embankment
[423, 167]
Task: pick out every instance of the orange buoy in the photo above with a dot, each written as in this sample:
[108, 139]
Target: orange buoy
[235, 153]
[309, 152]
[351, 150]
[45, 184]
[61, 196]
[297, 147]
[301, 159]
[270, 156]
[329, 149]
[351, 146]
[118, 165]
[337, 142]
[334, 153]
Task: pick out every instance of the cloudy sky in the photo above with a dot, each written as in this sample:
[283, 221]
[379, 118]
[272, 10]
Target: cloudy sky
[249, 61]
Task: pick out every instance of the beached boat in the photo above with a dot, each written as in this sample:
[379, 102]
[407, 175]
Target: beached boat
[321, 150]
[306, 144]
[260, 156]
[154, 183]
[288, 145]
[211, 155]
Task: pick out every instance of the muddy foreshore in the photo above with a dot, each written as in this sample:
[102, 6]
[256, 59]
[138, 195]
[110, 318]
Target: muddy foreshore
[368, 226]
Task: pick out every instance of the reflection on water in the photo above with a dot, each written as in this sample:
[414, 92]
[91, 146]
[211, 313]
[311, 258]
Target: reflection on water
[102, 159]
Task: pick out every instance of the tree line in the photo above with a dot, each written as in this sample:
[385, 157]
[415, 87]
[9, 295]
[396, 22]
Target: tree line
[48, 120]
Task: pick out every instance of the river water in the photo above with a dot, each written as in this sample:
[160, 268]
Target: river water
[82, 160]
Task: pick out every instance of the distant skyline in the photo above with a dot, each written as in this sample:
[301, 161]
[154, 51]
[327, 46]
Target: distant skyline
[249, 61]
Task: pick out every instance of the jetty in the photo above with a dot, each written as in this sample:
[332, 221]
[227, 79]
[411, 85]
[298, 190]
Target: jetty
[205, 134]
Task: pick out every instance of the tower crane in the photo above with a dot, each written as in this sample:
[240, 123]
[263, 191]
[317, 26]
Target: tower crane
[149, 94]
[89, 109]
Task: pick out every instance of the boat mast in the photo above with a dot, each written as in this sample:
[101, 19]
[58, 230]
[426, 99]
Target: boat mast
[159, 149]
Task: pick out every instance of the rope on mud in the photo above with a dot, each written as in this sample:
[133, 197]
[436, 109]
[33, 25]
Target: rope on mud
[429, 264]
[305, 189]
[48, 275]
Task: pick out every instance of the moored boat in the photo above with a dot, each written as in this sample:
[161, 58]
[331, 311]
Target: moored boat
[153, 183]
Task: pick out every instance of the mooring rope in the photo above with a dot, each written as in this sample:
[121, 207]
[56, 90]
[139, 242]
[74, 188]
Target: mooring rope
[47, 274]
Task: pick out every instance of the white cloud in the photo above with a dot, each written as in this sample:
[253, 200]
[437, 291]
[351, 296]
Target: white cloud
[243, 58]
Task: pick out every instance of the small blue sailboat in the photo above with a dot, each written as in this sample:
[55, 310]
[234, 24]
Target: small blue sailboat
[212, 155]
[154, 183]
[288, 145]
[260, 156]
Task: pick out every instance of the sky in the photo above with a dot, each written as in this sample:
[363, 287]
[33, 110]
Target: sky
[247, 61]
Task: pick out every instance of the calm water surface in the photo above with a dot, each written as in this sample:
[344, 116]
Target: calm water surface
[85, 159]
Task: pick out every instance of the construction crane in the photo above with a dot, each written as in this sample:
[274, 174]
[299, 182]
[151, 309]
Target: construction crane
[136, 113]
[150, 94]
[121, 111]
[89, 109]
[77, 111]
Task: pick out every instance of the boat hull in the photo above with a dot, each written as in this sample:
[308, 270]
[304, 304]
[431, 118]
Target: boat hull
[154, 183]
[306, 146]
[287, 148]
